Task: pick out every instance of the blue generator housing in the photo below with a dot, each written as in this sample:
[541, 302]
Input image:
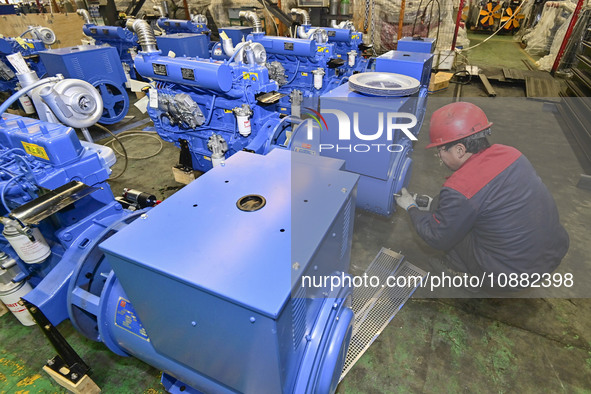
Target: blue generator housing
[238, 319]
[98, 65]
[382, 156]
[120, 38]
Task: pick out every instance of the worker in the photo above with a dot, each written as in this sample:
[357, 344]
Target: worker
[494, 215]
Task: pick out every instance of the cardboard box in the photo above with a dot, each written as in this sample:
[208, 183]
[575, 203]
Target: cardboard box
[439, 81]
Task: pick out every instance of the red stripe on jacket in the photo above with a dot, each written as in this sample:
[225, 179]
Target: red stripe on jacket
[481, 168]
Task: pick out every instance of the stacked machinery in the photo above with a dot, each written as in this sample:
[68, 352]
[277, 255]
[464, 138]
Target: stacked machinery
[241, 322]
[211, 109]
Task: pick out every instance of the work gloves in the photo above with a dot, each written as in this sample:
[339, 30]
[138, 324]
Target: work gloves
[405, 200]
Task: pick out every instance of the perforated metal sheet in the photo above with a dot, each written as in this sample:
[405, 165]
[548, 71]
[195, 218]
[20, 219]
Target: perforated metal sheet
[374, 307]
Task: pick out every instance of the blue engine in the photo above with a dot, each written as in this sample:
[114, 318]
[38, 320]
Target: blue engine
[237, 319]
[29, 48]
[98, 65]
[211, 108]
[348, 44]
[302, 65]
[42, 163]
[118, 37]
[197, 25]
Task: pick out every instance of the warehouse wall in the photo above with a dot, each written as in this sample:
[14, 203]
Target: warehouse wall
[67, 27]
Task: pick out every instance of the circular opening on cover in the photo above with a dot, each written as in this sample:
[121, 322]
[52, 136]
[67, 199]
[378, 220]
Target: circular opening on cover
[251, 203]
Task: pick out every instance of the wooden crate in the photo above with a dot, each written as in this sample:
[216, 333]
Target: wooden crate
[67, 27]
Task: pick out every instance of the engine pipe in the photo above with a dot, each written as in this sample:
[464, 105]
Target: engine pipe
[145, 34]
[253, 18]
[85, 14]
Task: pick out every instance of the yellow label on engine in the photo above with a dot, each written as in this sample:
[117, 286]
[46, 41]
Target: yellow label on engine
[251, 76]
[228, 111]
[323, 49]
[304, 74]
[35, 150]
[22, 42]
[355, 36]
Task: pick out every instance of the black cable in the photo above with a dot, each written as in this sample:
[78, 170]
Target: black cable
[459, 76]
[412, 34]
[122, 148]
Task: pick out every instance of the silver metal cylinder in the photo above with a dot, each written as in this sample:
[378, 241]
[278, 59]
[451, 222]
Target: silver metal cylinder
[303, 13]
[253, 18]
[85, 14]
[145, 34]
[334, 7]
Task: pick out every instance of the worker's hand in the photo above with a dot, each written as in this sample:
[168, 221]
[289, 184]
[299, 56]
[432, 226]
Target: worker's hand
[405, 200]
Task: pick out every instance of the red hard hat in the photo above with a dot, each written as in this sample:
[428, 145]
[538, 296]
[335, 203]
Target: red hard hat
[455, 121]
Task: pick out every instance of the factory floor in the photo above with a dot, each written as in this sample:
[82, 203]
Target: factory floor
[433, 345]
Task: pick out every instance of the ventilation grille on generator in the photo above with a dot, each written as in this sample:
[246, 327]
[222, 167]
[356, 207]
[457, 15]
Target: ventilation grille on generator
[107, 63]
[346, 225]
[298, 314]
[78, 71]
[375, 307]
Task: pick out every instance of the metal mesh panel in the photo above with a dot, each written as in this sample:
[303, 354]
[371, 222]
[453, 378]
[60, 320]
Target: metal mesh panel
[423, 18]
[374, 307]
[346, 227]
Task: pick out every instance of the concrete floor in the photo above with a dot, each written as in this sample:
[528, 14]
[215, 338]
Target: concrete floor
[433, 345]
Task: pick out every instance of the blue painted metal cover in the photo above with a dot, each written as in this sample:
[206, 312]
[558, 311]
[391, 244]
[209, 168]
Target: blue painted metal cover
[241, 257]
[372, 156]
[48, 142]
[423, 44]
[184, 44]
[416, 65]
[90, 63]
